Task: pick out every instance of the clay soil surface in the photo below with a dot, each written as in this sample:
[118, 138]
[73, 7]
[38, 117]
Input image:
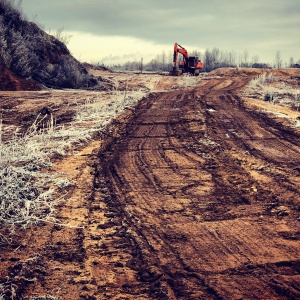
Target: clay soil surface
[192, 195]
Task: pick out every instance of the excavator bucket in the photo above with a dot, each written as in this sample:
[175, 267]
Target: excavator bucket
[175, 72]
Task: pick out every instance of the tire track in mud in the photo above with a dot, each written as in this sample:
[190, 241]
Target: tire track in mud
[192, 196]
[207, 204]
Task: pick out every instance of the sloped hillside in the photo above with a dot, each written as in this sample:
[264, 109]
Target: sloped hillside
[29, 52]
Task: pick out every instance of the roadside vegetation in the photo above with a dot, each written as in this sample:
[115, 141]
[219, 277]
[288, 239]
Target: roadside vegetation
[27, 192]
[270, 88]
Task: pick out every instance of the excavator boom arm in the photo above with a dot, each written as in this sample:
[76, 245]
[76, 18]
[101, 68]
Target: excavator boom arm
[181, 50]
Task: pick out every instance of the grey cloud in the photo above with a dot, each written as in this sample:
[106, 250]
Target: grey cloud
[201, 23]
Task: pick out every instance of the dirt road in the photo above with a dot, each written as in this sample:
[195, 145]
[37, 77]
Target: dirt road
[195, 196]
[208, 195]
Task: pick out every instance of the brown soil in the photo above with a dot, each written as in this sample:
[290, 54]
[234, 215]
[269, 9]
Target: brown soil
[194, 195]
[12, 82]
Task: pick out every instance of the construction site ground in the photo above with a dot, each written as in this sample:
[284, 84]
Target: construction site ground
[194, 194]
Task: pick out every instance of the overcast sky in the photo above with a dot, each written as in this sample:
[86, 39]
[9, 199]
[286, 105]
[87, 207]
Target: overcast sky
[116, 30]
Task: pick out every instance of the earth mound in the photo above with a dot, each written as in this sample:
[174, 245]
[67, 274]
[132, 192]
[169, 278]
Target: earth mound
[30, 53]
[245, 72]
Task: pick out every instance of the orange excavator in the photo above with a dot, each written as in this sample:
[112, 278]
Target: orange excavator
[189, 64]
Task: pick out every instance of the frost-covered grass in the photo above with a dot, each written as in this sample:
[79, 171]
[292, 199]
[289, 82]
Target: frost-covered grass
[23, 199]
[7, 288]
[46, 297]
[270, 88]
[276, 91]
[14, 284]
[10, 289]
[189, 80]
[261, 80]
[26, 192]
[93, 110]
[2, 290]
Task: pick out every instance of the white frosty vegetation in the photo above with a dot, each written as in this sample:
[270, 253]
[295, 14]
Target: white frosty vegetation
[190, 80]
[26, 192]
[275, 91]
[271, 89]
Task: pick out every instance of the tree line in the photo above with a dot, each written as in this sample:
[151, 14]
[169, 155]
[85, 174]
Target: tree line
[211, 58]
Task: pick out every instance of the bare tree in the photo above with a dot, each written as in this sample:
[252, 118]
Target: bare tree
[232, 58]
[255, 59]
[61, 35]
[291, 62]
[245, 57]
[163, 58]
[278, 59]
[141, 65]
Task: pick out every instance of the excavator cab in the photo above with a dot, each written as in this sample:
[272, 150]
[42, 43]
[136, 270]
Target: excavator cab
[194, 65]
[193, 61]
[189, 64]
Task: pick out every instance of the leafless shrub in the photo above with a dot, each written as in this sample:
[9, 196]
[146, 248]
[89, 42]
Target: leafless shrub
[297, 100]
[258, 81]
[61, 35]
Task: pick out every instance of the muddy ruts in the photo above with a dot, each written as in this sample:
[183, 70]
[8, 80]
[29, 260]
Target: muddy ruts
[206, 197]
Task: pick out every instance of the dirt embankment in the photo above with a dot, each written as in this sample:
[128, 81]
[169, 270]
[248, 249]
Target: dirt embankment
[11, 82]
[250, 72]
[194, 195]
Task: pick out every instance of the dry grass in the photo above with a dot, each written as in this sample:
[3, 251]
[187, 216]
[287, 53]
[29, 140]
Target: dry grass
[281, 96]
[27, 192]
[270, 88]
